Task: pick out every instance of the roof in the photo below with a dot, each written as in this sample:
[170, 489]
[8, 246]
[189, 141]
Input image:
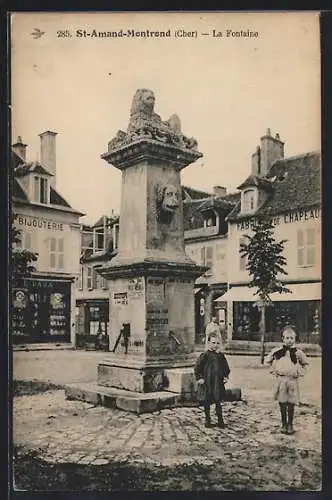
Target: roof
[255, 180]
[27, 168]
[102, 256]
[194, 194]
[217, 203]
[193, 209]
[109, 219]
[18, 191]
[57, 199]
[296, 184]
[22, 168]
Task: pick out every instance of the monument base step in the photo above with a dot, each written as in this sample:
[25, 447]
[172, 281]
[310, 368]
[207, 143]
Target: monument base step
[112, 397]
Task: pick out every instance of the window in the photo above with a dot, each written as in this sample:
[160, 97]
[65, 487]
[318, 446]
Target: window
[115, 236]
[57, 254]
[89, 281]
[306, 247]
[96, 280]
[80, 279]
[220, 252]
[86, 240]
[243, 258]
[98, 240]
[61, 255]
[19, 242]
[41, 189]
[207, 258]
[248, 201]
[26, 241]
[194, 253]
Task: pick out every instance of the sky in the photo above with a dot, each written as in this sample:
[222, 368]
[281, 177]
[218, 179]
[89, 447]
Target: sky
[226, 90]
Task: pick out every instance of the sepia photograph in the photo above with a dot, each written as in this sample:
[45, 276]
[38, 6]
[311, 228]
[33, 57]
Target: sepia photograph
[165, 288]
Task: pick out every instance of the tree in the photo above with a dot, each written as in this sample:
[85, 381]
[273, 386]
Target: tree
[22, 260]
[265, 264]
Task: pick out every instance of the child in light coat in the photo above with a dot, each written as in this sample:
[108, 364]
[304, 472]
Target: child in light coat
[288, 364]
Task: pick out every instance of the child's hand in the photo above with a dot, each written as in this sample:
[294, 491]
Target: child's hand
[200, 381]
[225, 380]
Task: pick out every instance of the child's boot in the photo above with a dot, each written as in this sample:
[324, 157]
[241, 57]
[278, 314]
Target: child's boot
[290, 408]
[283, 411]
[207, 417]
[221, 422]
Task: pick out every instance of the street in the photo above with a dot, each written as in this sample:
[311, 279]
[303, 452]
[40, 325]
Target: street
[74, 445]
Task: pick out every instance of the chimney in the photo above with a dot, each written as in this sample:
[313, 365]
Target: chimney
[271, 150]
[48, 153]
[20, 148]
[256, 162]
[219, 191]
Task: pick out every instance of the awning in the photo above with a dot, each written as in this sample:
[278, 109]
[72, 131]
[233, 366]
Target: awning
[303, 291]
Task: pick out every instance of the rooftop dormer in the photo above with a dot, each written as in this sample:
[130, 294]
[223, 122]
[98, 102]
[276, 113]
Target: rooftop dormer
[254, 192]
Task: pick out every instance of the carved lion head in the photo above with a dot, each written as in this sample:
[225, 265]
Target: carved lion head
[168, 200]
[143, 102]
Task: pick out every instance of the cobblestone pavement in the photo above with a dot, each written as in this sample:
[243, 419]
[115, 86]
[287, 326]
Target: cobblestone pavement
[170, 447]
[251, 448]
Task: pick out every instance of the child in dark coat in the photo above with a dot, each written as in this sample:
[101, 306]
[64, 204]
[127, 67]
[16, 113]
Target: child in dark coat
[211, 372]
[288, 364]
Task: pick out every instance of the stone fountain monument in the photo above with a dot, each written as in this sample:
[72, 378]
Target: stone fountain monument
[151, 279]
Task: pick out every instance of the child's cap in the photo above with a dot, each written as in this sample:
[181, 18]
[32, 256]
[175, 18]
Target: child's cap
[288, 328]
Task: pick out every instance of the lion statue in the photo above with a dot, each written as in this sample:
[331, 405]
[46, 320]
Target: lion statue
[144, 122]
[142, 110]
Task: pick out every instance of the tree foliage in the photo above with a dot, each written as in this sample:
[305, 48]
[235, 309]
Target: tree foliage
[22, 260]
[265, 260]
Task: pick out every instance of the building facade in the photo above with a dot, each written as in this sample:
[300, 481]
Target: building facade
[43, 306]
[98, 243]
[286, 191]
[206, 243]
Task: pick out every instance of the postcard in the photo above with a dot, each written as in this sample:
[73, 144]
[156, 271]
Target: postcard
[166, 241]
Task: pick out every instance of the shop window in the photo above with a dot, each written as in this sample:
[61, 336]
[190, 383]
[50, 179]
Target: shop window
[243, 258]
[246, 321]
[306, 247]
[40, 189]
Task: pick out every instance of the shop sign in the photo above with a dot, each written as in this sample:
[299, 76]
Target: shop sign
[120, 298]
[38, 223]
[136, 287]
[286, 218]
[38, 283]
[155, 290]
